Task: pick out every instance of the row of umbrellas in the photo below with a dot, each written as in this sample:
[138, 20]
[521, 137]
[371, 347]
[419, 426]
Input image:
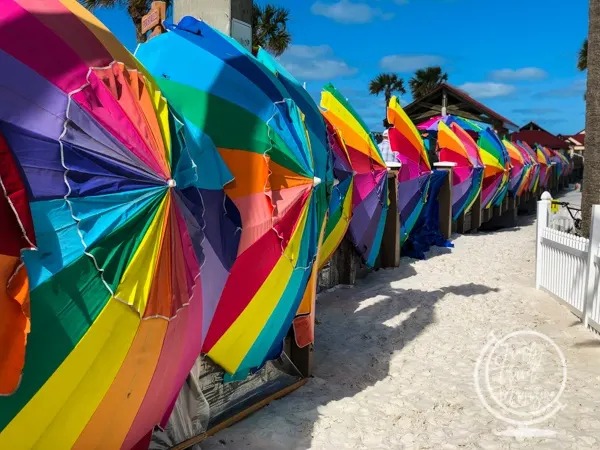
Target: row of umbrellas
[179, 203]
[158, 207]
[486, 164]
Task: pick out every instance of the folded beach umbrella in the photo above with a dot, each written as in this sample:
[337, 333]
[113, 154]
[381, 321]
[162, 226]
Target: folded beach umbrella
[432, 123]
[528, 169]
[544, 158]
[565, 163]
[415, 174]
[495, 177]
[315, 125]
[457, 146]
[370, 195]
[340, 204]
[532, 155]
[120, 279]
[517, 171]
[556, 157]
[220, 89]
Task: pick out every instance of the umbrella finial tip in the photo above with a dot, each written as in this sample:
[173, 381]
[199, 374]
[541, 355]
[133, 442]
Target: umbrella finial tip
[171, 183]
[316, 181]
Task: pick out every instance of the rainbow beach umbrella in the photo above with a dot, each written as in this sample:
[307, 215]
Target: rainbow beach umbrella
[517, 171]
[544, 158]
[528, 169]
[531, 154]
[340, 204]
[119, 280]
[370, 195]
[415, 174]
[246, 113]
[495, 176]
[457, 146]
[338, 211]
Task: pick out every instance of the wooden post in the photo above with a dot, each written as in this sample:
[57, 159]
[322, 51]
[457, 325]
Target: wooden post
[445, 199]
[302, 357]
[390, 246]
[476, 213]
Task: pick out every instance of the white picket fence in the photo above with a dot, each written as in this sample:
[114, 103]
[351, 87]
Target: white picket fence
[568, 266]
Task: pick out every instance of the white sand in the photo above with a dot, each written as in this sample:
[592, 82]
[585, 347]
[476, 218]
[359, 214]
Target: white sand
[395, 356]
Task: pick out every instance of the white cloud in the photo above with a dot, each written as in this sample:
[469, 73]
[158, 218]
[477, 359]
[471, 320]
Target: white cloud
[318, 62]
[409, 63]
[487, 89]
[576, 89]
[526, 73]
[308, 51]
[345, 11]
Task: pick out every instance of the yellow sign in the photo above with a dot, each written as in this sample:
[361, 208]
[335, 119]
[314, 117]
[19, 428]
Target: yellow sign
[554, 208]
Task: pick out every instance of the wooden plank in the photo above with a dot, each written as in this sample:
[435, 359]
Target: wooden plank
[445, 202]
[476, 214]
[241, 415]
[390, 245]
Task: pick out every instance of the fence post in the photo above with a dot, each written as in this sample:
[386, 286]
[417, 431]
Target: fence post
[590, 278]
[445, 199]
[543, 209]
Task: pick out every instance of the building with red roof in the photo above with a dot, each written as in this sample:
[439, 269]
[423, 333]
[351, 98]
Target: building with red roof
[576, 142]
[533, 134]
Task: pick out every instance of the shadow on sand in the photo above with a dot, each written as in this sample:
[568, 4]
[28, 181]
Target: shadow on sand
[376, 322]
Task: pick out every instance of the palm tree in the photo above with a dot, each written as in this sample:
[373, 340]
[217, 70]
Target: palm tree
[269, 28]
[136, 9]
[426, 80]
[388, 84]
[582, 58]
[591, 174]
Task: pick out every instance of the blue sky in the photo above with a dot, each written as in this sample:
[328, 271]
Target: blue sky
[517, 56]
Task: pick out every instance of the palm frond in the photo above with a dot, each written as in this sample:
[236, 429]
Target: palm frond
[582, 58]
[425, 80]
[269, 28]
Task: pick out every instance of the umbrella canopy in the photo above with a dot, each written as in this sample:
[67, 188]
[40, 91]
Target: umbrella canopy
[433, 123]
[118, 283]
[557, 158]
[246, 112]
[18, 235]
[528, 169]
[340, 204]
[370, 195]
[325, 143]
[337, 198]
[415, 174]
[517, 171]
[495, 177]
[536, 168]
[457, 146]
[544, 158]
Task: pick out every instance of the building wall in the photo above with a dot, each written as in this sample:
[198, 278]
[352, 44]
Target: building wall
[217, 13]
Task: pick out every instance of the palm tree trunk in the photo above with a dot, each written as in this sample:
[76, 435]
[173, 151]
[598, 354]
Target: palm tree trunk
[388, 98]
[591, 174]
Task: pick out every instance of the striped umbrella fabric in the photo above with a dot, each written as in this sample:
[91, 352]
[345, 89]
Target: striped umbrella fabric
[118, 281]
[415, 174]
[248, 115]
[370, 195]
